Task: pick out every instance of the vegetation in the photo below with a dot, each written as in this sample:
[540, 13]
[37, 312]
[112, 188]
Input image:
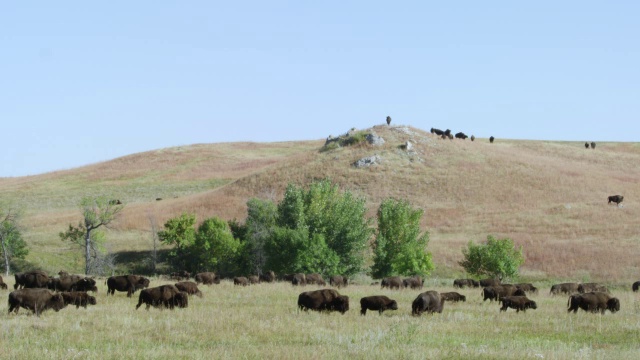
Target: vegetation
[12, 244]
[96, 212]
[399, 247]
[497, 258]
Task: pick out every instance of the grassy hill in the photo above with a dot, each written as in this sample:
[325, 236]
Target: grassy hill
[548, 196]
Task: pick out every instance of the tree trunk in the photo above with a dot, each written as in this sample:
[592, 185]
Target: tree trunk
[6, 258]
[87, 251]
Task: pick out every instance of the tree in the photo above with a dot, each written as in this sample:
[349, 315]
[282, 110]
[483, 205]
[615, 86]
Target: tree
[97, 212]
[495, 258]
[399, 248]
[13, 246]
[180, 233]
[261, 219]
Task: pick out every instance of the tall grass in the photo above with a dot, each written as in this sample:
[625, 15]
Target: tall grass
[262, 321]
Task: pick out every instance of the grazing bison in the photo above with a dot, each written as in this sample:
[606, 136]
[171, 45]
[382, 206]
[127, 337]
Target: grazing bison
[189, 287]
[635, 286]
[591, 287]
[453, 296]
[207, 278]
[2, 284]
[254, 279]
[429, 301]
[299, 279]
[527, 287]
[489, 282]
[500, 291]
[31, 279]
[315, 279]
[414, 282]
[518, 303]
[437, 131]
[268, 277]
[593, 145]
[180, 275]
[491, 139]
[461, 283]
[564, 288]
[163, 296]
[586, 145]
[338, 281]
[128, 283]
[461, 135]
[72, 283]
[240, 280]
[377, 303]
[593, 302]
[392, 282]
[616, 199]
[36, 300]
[321, 300]
[78, 298]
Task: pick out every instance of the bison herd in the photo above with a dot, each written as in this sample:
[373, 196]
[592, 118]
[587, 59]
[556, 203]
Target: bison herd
[36, 291]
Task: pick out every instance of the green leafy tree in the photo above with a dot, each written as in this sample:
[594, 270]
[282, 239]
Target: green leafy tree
[261, 220]
[180, 233]
[13, 246]
[294, 250]
[97, 213]
[495, 258]
[399, 248]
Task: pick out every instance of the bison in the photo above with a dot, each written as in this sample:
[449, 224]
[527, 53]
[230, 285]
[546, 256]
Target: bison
[453, 296]
[527, 287]
[593, 145]
[472, 138]
[388, 120]
[78, 298]
[593, 302]
[414, 282]
[254, 279]
[489, 282]
[299, 279]
[635, 286]
[240, 280]
[268, 277]
[189, 287]
[323, 300]
[461, 283]
[586, 145]
[32, 279]
[564, 288]
[518, 303]
[616, 199]
[461, 135]
[437, 131]
[429, 301]
[180, 275]
[315, 279]
[591, 287]
[393, 282]
[339, 281]
[163, 296]
[36, 300]
[207, 278]
[491, 139]
[500, 291]
[2, 284]
[377, 303]
[128, 283]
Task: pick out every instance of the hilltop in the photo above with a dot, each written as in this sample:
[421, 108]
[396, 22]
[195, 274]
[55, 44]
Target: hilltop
[548, 196]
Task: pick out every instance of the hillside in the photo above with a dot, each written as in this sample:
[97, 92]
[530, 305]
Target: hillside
[549, 196]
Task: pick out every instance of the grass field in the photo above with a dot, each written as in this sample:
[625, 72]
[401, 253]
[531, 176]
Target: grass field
[262, 321]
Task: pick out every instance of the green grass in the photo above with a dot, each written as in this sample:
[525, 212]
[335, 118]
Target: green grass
[262, 321]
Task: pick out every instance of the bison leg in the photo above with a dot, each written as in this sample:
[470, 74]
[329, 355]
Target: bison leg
[363, 311]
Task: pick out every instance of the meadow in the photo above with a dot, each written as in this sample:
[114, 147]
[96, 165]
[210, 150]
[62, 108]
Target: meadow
[262, 322]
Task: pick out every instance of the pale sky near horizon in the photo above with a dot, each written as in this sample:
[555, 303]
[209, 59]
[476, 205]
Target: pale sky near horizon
[84, 82]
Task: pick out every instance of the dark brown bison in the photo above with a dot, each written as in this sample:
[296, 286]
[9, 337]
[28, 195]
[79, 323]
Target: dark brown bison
[437, 131]
[429, 301]
[323, 300]
[388, 120]
[339, 281]
[377, 303]
[78, 298]
[462, 283]
[392, 282]
[616, 199]
[240, 280]
[472, 138]
[268, 277]
[453, 297]
[85, 284]
[31, 279]
[518, 303]
[500, 291]
[299, 279]
[207, 278]
[461, 135]
[592, 287]
[593, 145]
[491, 139]
[527, 287]
[167, 296]
[254, 279]
[586, 145]
[593, 302]
[180, 275]
[635, 286]
[564, 288]
[489, 282]
[72, 283]
[414, 282]
[2, 284]
[35, 299]
[315, 279]
[189, 287]
[128, 283]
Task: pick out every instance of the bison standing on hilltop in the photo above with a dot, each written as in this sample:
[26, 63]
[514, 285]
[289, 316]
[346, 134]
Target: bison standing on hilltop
[429, 301]
[377, 303]
[128, 283]
[323, 300]
[36, 300]
[491, 139]
[616, 199]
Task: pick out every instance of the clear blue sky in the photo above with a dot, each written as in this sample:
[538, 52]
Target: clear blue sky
[87, 81]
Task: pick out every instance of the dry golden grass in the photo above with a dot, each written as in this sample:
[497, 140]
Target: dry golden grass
[549, 197]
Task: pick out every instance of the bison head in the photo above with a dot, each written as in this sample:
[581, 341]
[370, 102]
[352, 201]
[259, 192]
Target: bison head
[91, 300]
[57, 302]
[532, 304]
[341, 303]
[613, 305]
[393, 305]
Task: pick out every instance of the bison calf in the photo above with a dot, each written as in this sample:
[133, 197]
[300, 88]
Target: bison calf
[377, 303]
